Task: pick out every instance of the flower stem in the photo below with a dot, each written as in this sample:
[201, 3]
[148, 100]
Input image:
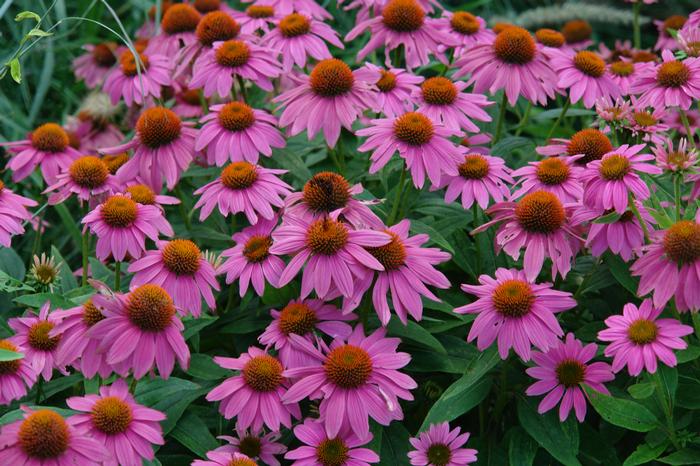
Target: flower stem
[688, 130]
[85, 245]
[559, 119]
[397, 200]
[635, 25]
[39, 389]
[635, 211]
[477, 248]
[668, 409]
[117, 275]
[677, 185]
[501, 118]
[524, 119]
[181, 205]
[244, 93]
[132, 386]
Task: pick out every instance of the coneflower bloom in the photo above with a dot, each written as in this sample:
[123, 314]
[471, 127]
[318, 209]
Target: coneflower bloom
[285, 7]
[96, 63]
[666, 41]
[13, 214]
[32, 333]
[89, 132]
[608, 182]
[88, 178]
[179, 267]
[221, 458]
[466, 28]
[319, 448]
[122, 225]
[303, 317]
[142, 194]
[516, 312]
[689, 42]
[675, 160]
[624, 73]
[562, 371]
[408, 271]
[638, 338]
[441, 446]
[444, 102]
[330, 97]
[514, 55]
[614, 113]
[479, 177]
[583, 75]
[298, 36]
[558, 175]
[250, 261]
[328, 193]
[178, 29]
[589, 144]
[541, 224]
[215, 69]
[394, 88]
[550, 40]
[16, 376]
[355, 380]
[163, 148]
[43, 275]
[237, 132]
[477, 143]
[256, 18]
[649, 124]
[404, 23]
[118, 422]
[254, 396]
[148, 28]
[622, 49]
[332, 251]
[244, 187]
[137, 83]
[48, 147]
[140, 332]
[670, 266]
[44, 438]
[77, 348]
[421, 142]
[577, 33]
[672, 83]
[188, 103]
[673, 120]
[255, 445]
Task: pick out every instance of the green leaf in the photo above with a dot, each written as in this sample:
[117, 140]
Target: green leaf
[194, 326]
[9, 284]
[414, 332]
[36, 32]
[202, 366]
[38, 299]
[684, 456]
[620, 270]
[15, 70]
[641, 391]
[194, 434]
[521, 448]
[435, 236]
[644, 454]
[560, 439]
[70, 224]
[17, 414]
[7, 355]
[11, 263]
[28, 15]
[507, 146]
[555, 112]
[691, 353]
[68, 280]
[622, 413]
[612, 217]
[395, 446]
[171, 396]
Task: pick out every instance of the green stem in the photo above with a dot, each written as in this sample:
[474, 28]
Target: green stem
[688, 130]
[475, 222]
[181, 206]
[524, 119]
[635, 25]
[85, 247]
[501, 118]
[117, 275]
[36, 247]
[677, 185]
[203, 103]
[640, 219]
[132, 386]
[559, 119]
[668, 410]
[39, 389]
[397, 199]
[231, 299]
[244, 93]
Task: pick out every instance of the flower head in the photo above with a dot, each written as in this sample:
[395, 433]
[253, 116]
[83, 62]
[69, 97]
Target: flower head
[440, 446]
[675, 160]
[256, 18]
[13, 214]
[577, 33]
[88, 177]
[468, 30]
[584, 75]
[221, 458]
[96, 63]
[44, 273]
[255, 445]
[321, 449]
[392, 90]
[16, 375]
[178, 29]
[443, 101]
[673, 23]
[138, 77]
[672, 83]
[558, 175]
[589, 144]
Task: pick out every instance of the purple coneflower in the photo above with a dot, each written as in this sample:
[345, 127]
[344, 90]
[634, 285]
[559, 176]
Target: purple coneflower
[443, 101]
[88, 178]
[479, 178]
[137, 83]
[558, 175]
[584, 74]
[96, 63]
[394, 88]
[255, 445]
[13, 214]
[178, 29]
[320, 449]
[440, 446]
[16, 376]
[672, 83]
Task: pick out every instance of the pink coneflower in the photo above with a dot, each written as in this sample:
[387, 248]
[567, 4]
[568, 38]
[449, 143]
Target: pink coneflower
[178, 29]
[136, 84]
[541, 224]
[675, 160]
[666, 41]
[394, 88]
[408, 270]
[466, 28]
[624, 73]
[479, 178]
[285, 7]
[328, 193]
[623, 236]
[298, 36]
[142, 194]
[88, 178]
[673, 120]
[621, 50]
[440, 446]
[237, 132]
[693, 21]
[254, 396]
[608, 182]
[89, 132]
[118, 422]
[355, 380]
[423, 143]
[16, 376]
[44, 438]
[638, 338]
[404, 23]
[188, 103]
[244, 187]
[163, 148]
[40, 348]
[444, 102]
[551, 41]
[48, 146]
[215, 69]
[221, 458]
[477, 143]
[320, 449]
[577, 33]
[588, 144]
[179, 267]
[558, 175]
[513, 54]
[77, 348]
[13, 214]
[515, 310]
[303, 317]
[670, 266]
[93, 66]
[256, 18]
[332, 251]
[250, 261]
[672, 83]
[141, 332]
[613, 114]
[647, 123]
[583, 74]
[561, 373]
[689, 42]
[330, 97]
[122, 225]
[255, 445]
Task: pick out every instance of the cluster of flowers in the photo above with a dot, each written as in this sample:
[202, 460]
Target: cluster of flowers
[588, 191]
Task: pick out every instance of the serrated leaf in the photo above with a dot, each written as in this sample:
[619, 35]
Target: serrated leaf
[622, 413]
[9, 284]
[560, 439]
